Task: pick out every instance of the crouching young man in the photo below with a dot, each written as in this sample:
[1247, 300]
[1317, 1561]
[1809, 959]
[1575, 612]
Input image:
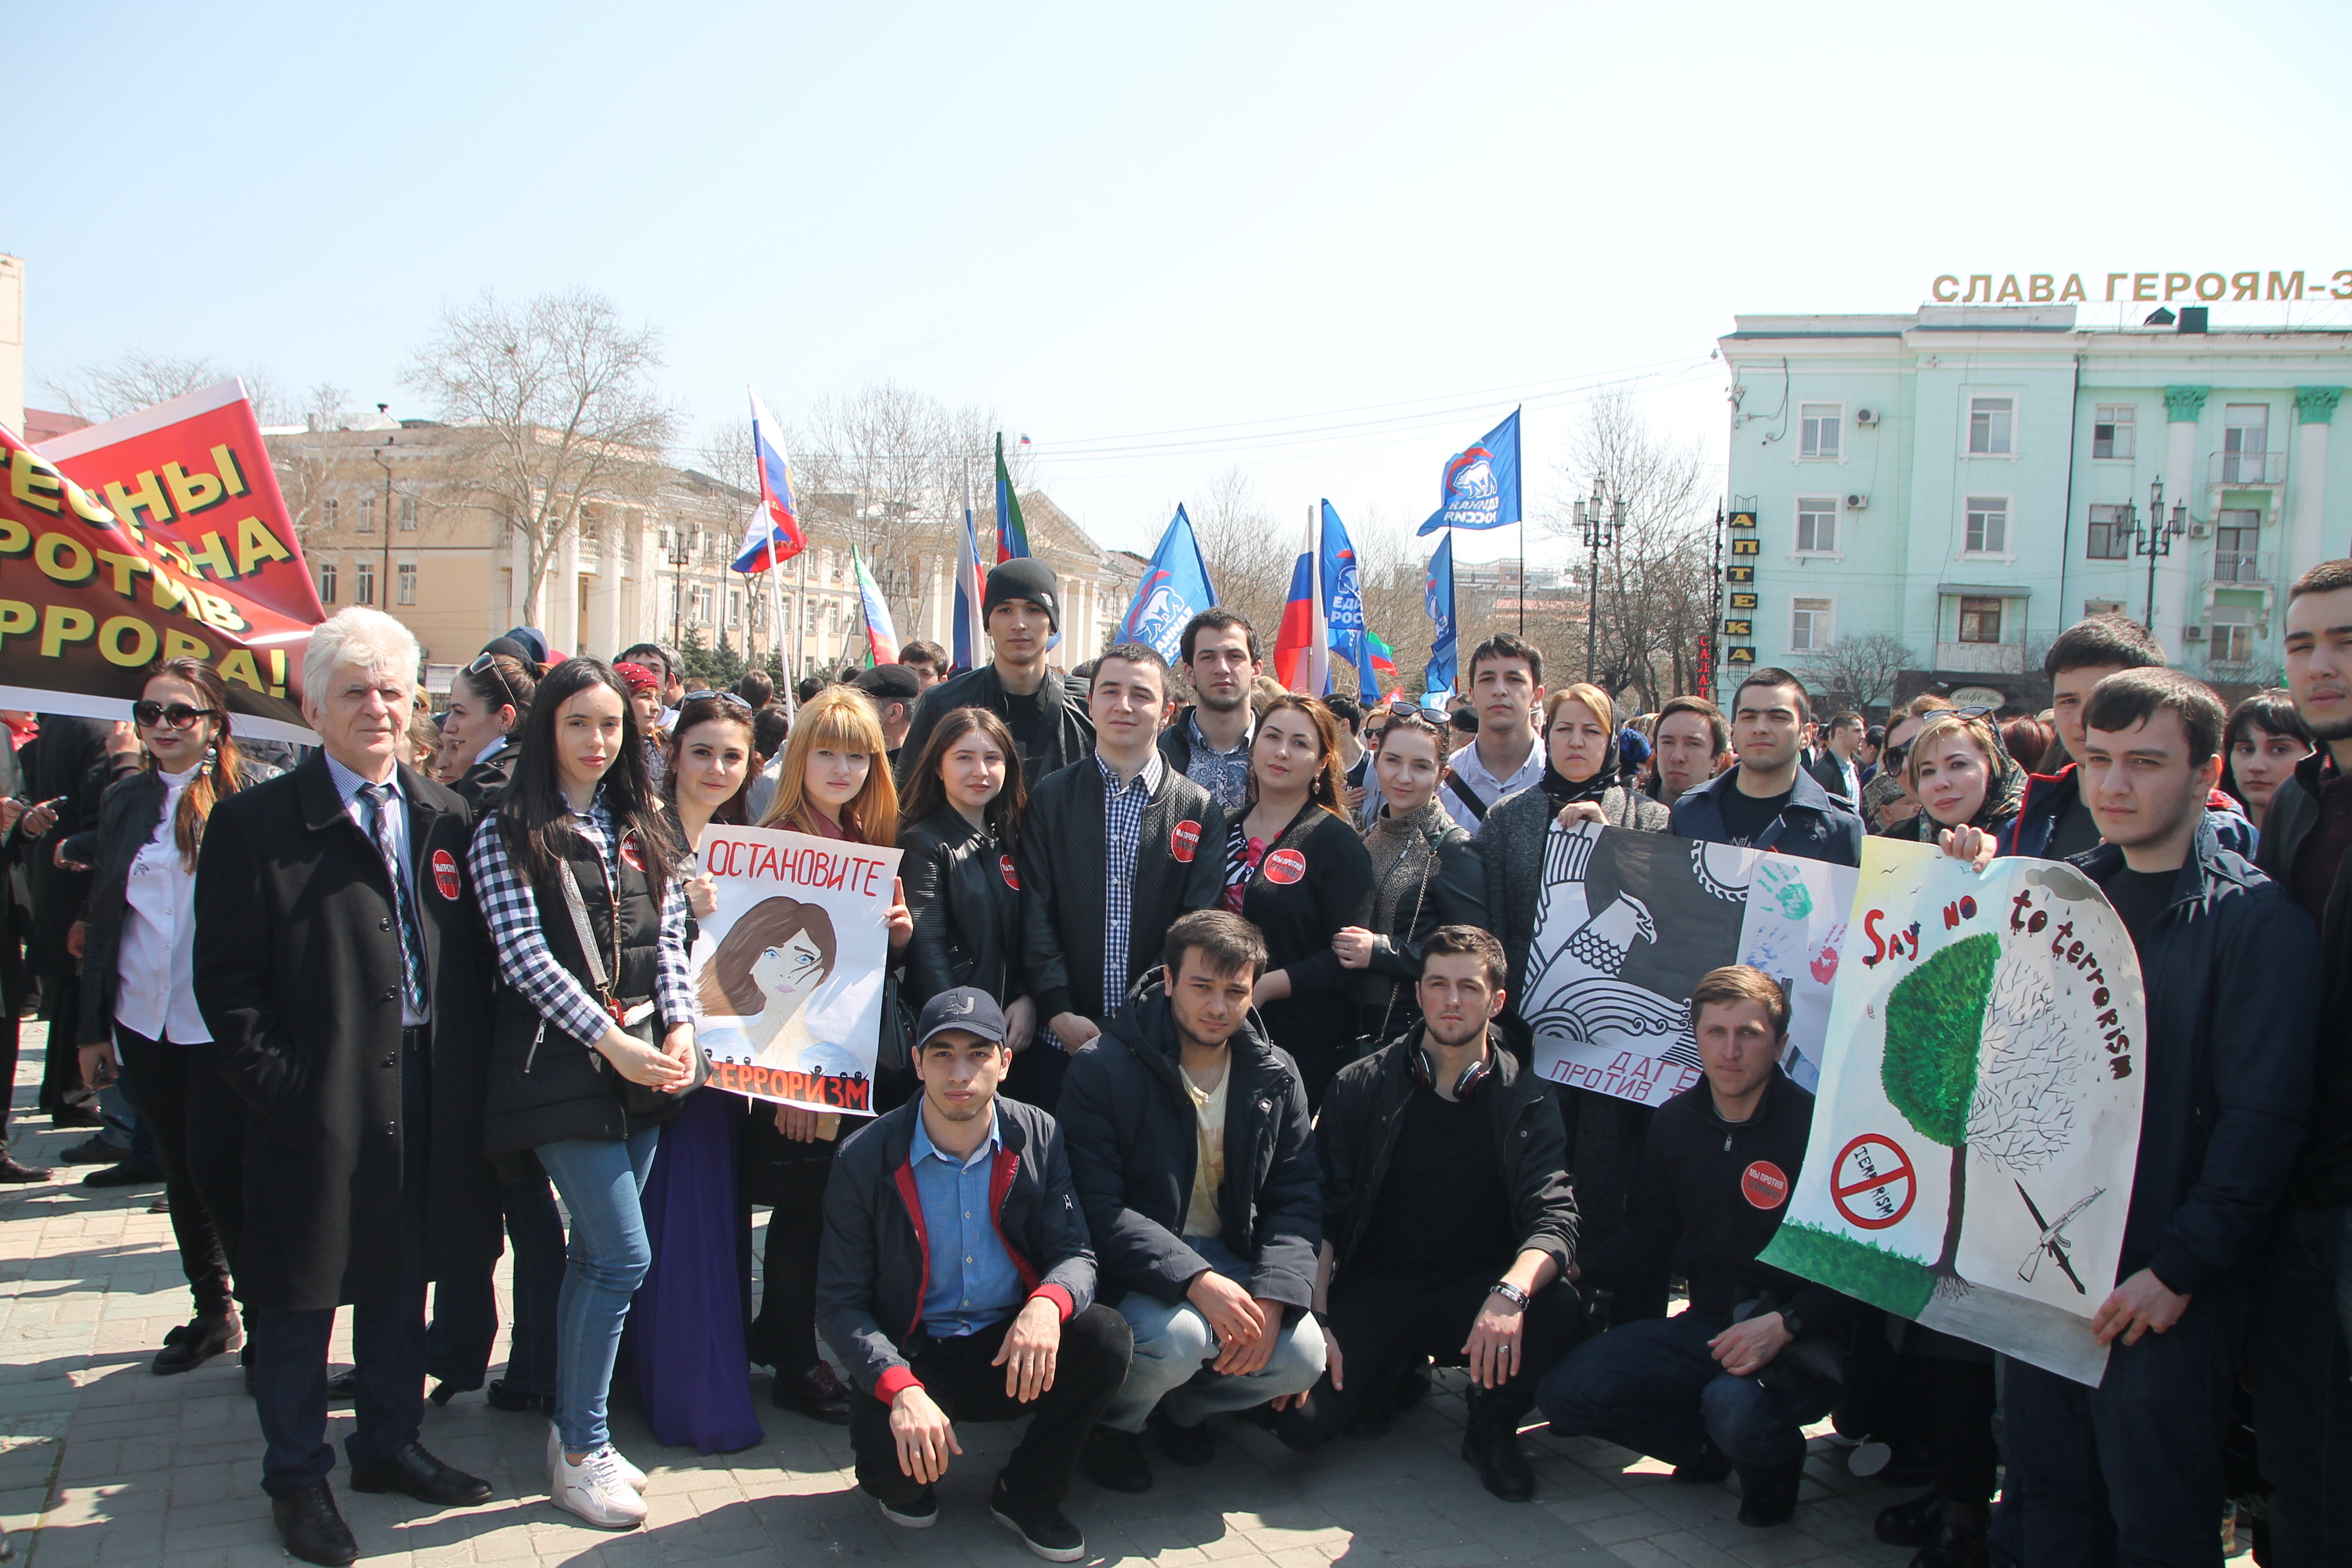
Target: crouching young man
[955, 1282]
[1448, 1221]
[1732, 1381]
[1191, 1150]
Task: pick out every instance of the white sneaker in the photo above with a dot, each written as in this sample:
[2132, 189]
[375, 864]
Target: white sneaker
[597, 1491]
[629, 1472]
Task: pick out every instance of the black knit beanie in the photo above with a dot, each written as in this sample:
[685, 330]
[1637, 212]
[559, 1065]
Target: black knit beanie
[1026, 577]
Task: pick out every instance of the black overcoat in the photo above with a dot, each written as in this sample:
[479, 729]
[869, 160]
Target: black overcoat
[298, 972]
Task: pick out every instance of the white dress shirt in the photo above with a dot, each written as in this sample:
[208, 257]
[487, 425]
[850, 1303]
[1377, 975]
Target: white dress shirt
[155, 994]
[1472, 771]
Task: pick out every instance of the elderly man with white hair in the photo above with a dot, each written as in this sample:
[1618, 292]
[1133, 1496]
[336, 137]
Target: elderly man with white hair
[348, 993]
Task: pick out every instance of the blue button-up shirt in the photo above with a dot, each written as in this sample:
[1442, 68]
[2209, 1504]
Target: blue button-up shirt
[1123, 807]
[973, 1282]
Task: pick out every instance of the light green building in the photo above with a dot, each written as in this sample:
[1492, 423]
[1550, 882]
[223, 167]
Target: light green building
[1969, 480]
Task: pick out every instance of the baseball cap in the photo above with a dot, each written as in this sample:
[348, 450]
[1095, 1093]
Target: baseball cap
[965, 1007]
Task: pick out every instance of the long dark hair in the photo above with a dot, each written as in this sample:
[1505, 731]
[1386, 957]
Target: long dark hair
[535, 820]
[2271, 711]
[1329, 781]
[735, 810]
[926, 795]
[222, 772]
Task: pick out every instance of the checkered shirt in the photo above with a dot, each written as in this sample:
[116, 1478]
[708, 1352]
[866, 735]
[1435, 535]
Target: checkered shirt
[511, 911]
[1224, 774]
[1123, 831]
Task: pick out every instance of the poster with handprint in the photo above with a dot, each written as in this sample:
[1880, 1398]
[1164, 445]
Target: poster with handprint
[1626, 923]
[788, 968]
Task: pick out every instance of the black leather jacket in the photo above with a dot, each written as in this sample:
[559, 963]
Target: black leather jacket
[964, 892]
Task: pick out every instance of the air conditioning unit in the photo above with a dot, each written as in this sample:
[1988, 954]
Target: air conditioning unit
[2198, 531]
[1857, 501]
[1865, 415]
[2194, 632]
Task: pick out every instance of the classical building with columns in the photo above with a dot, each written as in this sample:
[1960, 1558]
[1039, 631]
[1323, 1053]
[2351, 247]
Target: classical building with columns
[390, 514]
[1970, 480]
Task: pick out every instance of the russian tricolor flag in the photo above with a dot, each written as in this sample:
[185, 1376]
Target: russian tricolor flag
[774, 535]
[1302, 648]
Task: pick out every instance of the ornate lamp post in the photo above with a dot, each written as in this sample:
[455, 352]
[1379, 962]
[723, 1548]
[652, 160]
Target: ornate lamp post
[2154, 539]
[1602, 521]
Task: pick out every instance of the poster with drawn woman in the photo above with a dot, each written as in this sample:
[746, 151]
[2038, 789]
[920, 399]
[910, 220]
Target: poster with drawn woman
[788, 969]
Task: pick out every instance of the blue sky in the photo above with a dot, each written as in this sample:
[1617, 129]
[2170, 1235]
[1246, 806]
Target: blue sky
[1380, 223]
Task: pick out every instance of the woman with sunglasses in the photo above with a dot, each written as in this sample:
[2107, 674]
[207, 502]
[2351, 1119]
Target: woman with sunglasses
[1425, 874]
[2265, 739]
[964, 797]
[1955, 769]
[834, 784]
[488, 701]
[138, 1004]
[1296, 870]
[576, 874]
[687, 1319]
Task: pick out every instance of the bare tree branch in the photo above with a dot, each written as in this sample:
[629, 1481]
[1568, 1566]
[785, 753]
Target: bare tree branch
[1859, 672]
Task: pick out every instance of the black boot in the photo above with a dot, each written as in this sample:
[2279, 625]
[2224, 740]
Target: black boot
[815, 1392]
[1768, 1496]
[1959, 1540]
[1913, 1523]
[1708, 1469]
[191, 1345]
[312, 1527]
[1491, 1442]
[16, 1174]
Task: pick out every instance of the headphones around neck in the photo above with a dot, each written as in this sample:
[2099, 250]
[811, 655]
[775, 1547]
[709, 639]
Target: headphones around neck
[1474, 1077]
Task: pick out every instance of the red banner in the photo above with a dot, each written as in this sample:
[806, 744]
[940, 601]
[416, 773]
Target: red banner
[159, 535]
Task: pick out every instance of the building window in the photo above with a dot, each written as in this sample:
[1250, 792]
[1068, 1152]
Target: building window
[405, 584]
[1991, 426]
[734, 609]
[2230, 639]
[702, 604]
[327, 579]
[1979, 619]
[408, 514]
[367, 514]
[363, 582]
[2113, 425]
[2245, 437]
[1810, 627]
[1821, 423]
[2111, 536]
[331, 512]
[1817, 520]
[1988, 526]
[2237, 542]
[2103, 606]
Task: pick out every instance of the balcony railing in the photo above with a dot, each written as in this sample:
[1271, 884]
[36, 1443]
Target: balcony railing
[2245, 469]
[1982, 657]
[2242, 566]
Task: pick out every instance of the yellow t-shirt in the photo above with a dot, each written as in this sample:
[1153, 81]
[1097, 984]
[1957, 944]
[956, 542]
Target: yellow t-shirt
[1209, 1170]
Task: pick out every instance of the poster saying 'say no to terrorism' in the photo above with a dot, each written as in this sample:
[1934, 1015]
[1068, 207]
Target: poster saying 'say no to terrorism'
[788, 969]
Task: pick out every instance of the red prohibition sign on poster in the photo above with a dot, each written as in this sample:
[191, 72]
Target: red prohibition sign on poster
[1872, 1181]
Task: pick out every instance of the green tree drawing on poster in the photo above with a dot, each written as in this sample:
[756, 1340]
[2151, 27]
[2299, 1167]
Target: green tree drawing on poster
[1935, 1028]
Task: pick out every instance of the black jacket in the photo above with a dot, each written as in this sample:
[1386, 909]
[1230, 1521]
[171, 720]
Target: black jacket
[1064, 733]
[298, 972]
[2233, 979]
[69, 759]
[483, 782]
[964, 892]
[1813, 826]
[2323, 1172]
[1135, 1147]
[1330, 887]
[17, 989]
[1691, 1205]
[874, 1266]
[1357, 1133]
[1180, 867]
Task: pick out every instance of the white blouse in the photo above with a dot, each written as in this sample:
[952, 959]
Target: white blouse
[156, 995]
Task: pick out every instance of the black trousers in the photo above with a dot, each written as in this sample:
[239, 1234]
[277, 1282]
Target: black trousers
[11, 1033]
[783, 1335]
[197, 1123]
[289, 1348]
[956, 1374]
[1379, 1321]
[61, 1067]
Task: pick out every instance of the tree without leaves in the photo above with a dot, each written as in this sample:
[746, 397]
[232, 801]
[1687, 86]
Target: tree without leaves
[140, 379]
[1859, 672]
[563, 390]
[1247, 552]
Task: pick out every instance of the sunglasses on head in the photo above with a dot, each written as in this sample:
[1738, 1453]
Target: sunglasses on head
[169, 716]
[488, 664]
[732, 700]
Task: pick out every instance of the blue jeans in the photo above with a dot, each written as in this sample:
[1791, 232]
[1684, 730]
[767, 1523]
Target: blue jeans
[2299, 1350]
[1174, 1348]
[600, 1180]
[2128, 1472]
[465, 1329]
[1654, 1387]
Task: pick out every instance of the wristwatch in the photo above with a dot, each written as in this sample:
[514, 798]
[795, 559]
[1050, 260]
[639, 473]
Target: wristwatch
[1508, 1293]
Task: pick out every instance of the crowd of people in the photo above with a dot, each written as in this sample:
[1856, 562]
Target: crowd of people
[1210, 1095]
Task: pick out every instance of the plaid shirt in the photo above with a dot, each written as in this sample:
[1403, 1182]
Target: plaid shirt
[1224, 774]
[512, 914]
[1122, 830]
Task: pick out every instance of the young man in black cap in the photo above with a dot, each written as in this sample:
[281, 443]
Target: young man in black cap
[954, 1216]
[895, 689]
[1021, 609]
[1448, 1221]
[1112, 851]
[1189, 1146]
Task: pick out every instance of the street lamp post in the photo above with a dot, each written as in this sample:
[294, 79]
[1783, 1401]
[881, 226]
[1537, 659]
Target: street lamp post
[681, 555]
[384, 582]
[2154, 539]
[1602, 522]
